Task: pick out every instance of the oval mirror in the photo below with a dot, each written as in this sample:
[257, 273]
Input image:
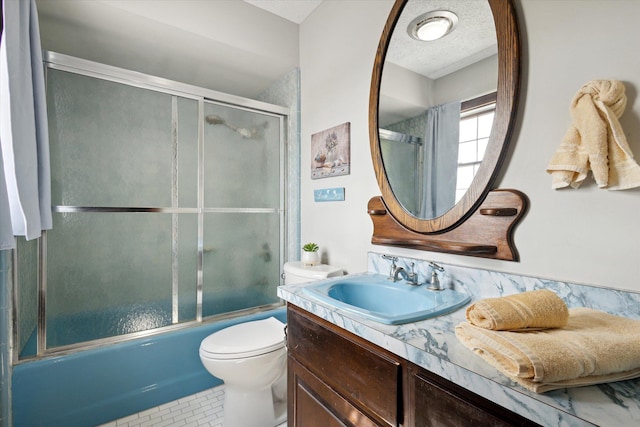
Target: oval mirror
[441, 111]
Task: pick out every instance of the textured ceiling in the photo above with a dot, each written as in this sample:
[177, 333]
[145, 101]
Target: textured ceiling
[472, 40]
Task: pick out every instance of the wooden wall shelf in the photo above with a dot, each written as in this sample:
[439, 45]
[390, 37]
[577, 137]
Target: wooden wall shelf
[487, 233]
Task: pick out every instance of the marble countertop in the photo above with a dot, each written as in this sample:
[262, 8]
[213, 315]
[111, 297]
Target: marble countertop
[432, 344]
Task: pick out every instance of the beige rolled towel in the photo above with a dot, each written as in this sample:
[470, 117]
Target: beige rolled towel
[593, 348]
[536, 309]
[595, 141]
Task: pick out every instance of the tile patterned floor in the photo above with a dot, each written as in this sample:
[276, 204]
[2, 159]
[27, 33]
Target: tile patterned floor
[202, 409]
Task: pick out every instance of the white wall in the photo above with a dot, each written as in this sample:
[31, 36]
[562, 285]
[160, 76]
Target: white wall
[338, 42]
[587, 235]
[224, 45]
[404, 94]
[474, 80]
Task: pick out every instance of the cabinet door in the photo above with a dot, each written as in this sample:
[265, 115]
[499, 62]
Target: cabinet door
[368, 376]
[312, 403]
[436, 402]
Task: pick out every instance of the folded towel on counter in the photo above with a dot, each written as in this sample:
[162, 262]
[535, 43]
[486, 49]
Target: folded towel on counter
[596, 141]
[593, 348]
[536, 309]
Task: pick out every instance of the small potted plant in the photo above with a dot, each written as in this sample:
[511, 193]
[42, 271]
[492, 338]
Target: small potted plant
[310, 254]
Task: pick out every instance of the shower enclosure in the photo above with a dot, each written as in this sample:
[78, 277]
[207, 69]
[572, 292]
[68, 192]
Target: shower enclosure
[404, 166]
[169, 208]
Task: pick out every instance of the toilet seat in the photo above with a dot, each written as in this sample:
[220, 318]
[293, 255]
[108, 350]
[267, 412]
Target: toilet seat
[245, 340]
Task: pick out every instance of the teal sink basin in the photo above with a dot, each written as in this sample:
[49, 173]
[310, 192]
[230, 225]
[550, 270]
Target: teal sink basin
[376, 298]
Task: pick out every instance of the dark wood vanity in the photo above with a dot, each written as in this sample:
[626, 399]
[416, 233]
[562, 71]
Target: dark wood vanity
[336, 378]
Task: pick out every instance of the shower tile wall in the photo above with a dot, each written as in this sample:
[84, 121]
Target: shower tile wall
[415, 126]
[5, 371]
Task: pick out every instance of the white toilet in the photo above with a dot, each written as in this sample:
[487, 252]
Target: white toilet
[251, 359]
[297, 272]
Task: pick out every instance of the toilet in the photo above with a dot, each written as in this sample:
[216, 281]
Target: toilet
[297, 272]
[251, 359]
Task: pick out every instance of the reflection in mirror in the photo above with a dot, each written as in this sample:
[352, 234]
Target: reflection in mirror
[438, 98]
[476, 94]
[403, 163]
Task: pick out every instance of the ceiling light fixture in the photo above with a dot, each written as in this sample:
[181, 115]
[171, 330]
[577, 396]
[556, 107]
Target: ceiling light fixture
[432, 25]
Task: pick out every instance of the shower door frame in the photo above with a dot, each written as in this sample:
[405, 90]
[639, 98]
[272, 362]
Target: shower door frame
[83, 67]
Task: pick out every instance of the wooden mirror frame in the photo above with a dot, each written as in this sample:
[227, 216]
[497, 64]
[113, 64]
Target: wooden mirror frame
[507, 96]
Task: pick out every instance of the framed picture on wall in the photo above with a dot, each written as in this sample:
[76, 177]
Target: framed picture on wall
[331, 152]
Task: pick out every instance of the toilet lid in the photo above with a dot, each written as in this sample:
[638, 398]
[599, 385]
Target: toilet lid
[245, 339]
[316, 272]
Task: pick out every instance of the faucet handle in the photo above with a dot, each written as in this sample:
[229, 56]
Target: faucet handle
[393, 264]
[393, 259]
[436, 266]
[434, 283]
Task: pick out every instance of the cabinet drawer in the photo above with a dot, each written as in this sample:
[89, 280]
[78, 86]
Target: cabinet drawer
[365, 375]
[436, 402]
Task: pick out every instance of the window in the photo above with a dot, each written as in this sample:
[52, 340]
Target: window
[476, 120]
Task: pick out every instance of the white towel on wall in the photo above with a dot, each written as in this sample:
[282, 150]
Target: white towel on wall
[595, 141]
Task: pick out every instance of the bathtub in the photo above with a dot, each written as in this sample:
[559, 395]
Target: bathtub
[99, 385]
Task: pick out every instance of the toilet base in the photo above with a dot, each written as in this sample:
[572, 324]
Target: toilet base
[265, 409]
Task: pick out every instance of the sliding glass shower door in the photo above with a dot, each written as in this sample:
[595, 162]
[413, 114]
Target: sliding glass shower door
[242, 221]
[168, 207]
[121, 194]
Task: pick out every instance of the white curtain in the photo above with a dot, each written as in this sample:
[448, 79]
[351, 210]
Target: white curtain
[25, 182]
[440, 151]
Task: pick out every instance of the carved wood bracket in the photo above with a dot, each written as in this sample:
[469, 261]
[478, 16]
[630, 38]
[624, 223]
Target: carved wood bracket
[487, 233]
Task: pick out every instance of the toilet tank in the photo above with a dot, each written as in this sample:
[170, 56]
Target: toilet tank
[296, 272]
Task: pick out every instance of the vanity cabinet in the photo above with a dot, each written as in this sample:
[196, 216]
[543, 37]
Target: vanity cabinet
[336, 378]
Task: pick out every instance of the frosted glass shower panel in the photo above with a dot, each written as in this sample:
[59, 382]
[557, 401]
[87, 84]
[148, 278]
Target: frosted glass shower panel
[241, 158]
[185, 262]
[241, 265]
[112, 274]
[119, 139]
[185, 170]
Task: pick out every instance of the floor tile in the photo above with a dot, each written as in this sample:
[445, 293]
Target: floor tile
[203, 409]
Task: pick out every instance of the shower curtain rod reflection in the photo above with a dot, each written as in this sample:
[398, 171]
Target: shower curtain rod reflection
[253, 133]
[399, 137]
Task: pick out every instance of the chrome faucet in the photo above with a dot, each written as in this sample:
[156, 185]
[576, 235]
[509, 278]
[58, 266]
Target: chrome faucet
[397, 272]
[434, 283]
[410, 277]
